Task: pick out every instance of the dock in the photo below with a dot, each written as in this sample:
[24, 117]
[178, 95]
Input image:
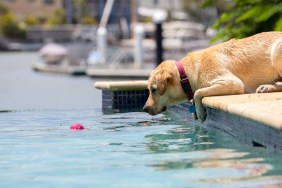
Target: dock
[59, 69]
[255, 119]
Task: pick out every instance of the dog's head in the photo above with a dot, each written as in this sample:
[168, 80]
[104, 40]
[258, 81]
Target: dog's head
[164, 88]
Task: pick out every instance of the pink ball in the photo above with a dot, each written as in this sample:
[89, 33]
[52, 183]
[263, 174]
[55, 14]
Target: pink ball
[77, 126]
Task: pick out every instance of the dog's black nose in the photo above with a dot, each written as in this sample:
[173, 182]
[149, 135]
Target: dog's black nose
[145, 109]
[164, 109]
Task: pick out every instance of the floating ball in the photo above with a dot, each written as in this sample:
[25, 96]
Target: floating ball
[77, 126]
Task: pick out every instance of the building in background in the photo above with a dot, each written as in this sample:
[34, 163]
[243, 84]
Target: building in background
[94, 8]
[164, 4]
[73, 9]
[89, 12]
[30, 8]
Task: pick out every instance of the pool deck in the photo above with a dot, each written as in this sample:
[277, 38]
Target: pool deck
[264, 108]
[254, 118]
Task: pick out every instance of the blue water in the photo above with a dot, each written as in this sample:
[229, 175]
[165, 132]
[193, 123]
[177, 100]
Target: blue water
[37, 149]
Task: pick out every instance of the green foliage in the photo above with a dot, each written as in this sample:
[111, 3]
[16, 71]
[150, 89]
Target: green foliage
[147, 19]
[30, 21]
[82, 11]
[192, 7]
[88, 20]
[40, 19]
[10, 27]
[57, 18]
[3, 9]
[248, 17]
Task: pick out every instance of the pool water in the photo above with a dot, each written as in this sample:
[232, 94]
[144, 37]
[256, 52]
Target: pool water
[37, 149]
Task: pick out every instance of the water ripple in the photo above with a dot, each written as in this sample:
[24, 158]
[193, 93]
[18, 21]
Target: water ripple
[132, 150]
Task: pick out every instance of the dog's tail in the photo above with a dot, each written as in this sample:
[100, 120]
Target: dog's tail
[276, 55]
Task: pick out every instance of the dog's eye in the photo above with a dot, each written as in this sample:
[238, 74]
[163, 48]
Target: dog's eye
[154, 88]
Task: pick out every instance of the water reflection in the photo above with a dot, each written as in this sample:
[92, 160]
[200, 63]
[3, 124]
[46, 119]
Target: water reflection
[195, 149]
[180, 139]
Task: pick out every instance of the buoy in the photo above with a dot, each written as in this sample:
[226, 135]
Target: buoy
[77, 126]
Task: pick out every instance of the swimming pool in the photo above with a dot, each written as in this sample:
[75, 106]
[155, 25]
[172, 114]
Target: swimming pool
[126, 150]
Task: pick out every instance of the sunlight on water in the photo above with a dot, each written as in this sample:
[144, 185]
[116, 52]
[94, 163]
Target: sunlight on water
[125, 150]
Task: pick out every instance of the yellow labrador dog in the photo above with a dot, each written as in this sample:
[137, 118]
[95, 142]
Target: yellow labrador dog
[253, 64]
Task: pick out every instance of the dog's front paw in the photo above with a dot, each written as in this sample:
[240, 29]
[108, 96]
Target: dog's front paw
[266, 88]
[201, 114]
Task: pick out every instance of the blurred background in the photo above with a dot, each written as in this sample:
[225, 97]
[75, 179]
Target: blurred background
[52, 51]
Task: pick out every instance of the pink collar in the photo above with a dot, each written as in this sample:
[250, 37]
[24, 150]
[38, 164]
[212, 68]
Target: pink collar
[184, 81]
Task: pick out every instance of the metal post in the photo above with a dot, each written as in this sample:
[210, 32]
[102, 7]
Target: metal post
[138, 47]
[106, 13]
[158, 19]
[69, 11]
[159, 45]
[102, 44]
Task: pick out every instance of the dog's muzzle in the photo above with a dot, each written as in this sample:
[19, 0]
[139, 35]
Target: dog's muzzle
[146, 109]
[153, 112]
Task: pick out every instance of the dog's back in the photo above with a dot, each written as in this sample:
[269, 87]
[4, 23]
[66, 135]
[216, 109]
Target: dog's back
[249, 59]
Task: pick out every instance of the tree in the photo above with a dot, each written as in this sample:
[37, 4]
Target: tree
[248, 17]
[82, 10]
[10, 27]
[204, 11]
[3, 9]
[57, 18]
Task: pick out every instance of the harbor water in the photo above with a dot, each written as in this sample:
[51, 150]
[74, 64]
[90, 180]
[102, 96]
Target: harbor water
[22, 88]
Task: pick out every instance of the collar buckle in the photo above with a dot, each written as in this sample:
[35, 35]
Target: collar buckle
[183, 79]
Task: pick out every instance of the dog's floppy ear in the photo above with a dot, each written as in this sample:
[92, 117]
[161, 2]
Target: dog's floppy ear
[162, 80]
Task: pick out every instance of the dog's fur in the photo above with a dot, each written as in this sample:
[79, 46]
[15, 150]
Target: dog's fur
[253, 64]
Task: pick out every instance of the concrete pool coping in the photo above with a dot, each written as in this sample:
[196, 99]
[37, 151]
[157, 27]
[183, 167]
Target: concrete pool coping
[254, 119]
[264, 108]
[122, 85]
[119, 73]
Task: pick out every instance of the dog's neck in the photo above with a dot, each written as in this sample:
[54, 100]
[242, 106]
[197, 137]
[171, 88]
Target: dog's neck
[184, 81]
